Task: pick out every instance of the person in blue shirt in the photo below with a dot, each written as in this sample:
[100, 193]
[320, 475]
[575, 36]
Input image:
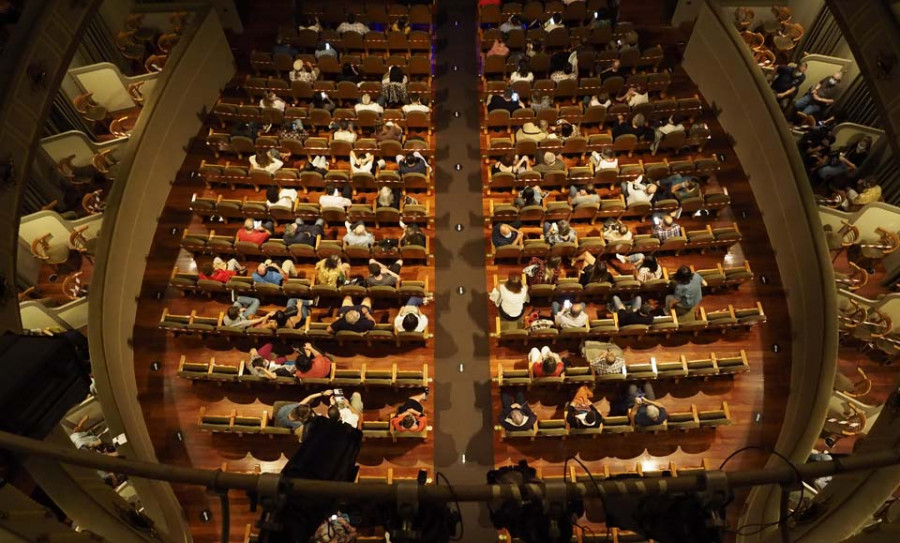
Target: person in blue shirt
[688, 291]
[506, 234]
[269, 272]
[296, 415]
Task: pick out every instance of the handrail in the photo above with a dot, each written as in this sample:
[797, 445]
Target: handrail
[201, 61]
[802, 256]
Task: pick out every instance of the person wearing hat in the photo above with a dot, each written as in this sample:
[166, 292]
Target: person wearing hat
[551, 163]
[530, 131]
[366, 104]
[389, 131]
[358, 236]
[504, 101]
[581, 412]
[304, 71]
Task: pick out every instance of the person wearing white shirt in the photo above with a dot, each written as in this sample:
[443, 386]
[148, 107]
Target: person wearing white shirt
[364, 163]
[637, 191]
[265, 161]
[569, 315]
[351, 25]
[522, 73]
[335, 198]
[605, 160]
[304, 71]
[510, 297]
[366, 104]
[636, 96]
[555, 21]
[416, 104]
[272, 101]
[344, 132]
[410, 318]
[284, 197]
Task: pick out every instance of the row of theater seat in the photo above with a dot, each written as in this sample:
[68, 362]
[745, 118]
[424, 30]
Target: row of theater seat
[219, 206]
[203, 243]
[633, 371]
[626, 285]
[241, 425]
[362, 376]
[341, 92]
[294, 287]
[499, 67]
[572, 13]
[383, 334]
[376, 44]
[708, 238]
[607, 208]
[682, 420]
[721, 320]
[566, 89]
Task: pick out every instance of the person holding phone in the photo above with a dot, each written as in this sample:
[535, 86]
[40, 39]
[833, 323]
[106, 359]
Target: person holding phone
[353, 317]
[507, 100]
[569, 315]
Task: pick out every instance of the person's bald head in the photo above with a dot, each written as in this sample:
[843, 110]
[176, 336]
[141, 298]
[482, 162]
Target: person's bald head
[652, 412]
[610, 357]
[248, 224]
[261, 269]
[668, 220]
[352, 316]
[651, 189]
[505, 230]
[576, 309]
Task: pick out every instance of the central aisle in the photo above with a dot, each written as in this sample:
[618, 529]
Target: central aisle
[463, 438]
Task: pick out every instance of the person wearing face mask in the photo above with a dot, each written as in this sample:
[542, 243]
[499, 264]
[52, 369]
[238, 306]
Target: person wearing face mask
[787, 81]
[820, 97]
[847, 161]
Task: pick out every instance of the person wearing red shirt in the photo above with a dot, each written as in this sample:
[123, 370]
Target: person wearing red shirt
[257, 235]
[222, 271]
[410, 416]
[312, 364]
[488, 2]
[545, 363]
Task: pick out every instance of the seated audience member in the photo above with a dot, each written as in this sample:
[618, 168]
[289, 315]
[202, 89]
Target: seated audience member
[294, 315]
[324, 49]
[416, 103]
[679, 187]
[317, 164]
[343, 131]
[358, 236]
[222, 271]
[504, 101]
[412, 163]
[586, 194]
[253, 233]
[551, 163]
[641, 407]
[282, 48]
[366, 104]
[302, 233]
[389, 131]
[634, 95]
[401, 25]
[348, 73]
[284, 197]
[615, 230]
[545, 363]
[529, 196]
[581, 413]
[347, 411]
[608, 361]
[544, 272]
[643, 267]
[569, 315]
[592, 270]
[516, 415]
[820, 97]
[505, 234]
[310, 22]
[352, 25]
[865, 192]
[604, 160]
[321, 100]
[353, 318]
[272, 101]
[266, 162]
[362, 163]
[336, 528]
[412, 235]
[304, 71]
[532, 132]
[688, 291]
[672, 125]
[510, 297]
[601, 99]
[242, 313]
[522, 72]
[388, 197]
[297, 415]
[498, 48]
[846, 161]
[539, 102]
[268, 369]
[566, 73]
[787, 81]
[514, 21]
[270, 272]
[559, 232]
[383, 276]
[555, 21]
[393, 87]
[335, 198]
[312, 363]
[638, 191]
[634, 312]
[511, 163]
[410, 317]
[410, 417]
[331, 271]
[665, 228]
[563, 130]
